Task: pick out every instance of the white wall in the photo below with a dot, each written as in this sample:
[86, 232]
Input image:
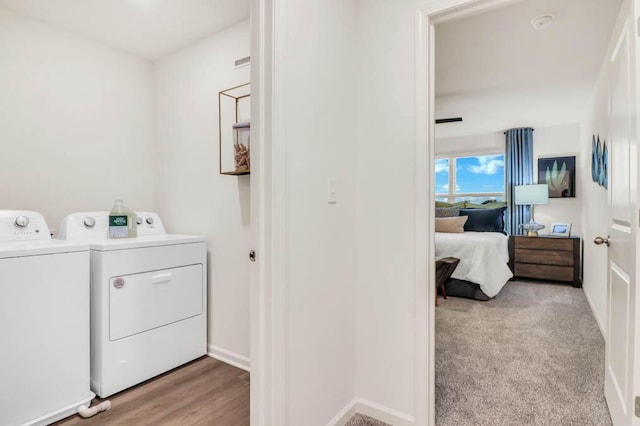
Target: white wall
[316, 122]
[594, 203]
[76, 122]
[488, 142]
[593, 206]
[385, 221]
[484, 113]
[191, 196]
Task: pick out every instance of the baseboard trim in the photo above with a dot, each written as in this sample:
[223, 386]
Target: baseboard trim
[382, 413]
[344, 415]
[229, 357]
[371, 409]
[595, 314]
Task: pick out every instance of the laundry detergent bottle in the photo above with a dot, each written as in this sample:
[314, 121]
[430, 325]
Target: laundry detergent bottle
[122, 221]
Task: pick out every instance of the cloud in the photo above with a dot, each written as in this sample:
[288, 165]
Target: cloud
[442, 165]
[442, 189]
[489, 165]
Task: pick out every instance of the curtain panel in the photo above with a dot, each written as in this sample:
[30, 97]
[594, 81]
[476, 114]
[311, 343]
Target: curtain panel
[519, 171]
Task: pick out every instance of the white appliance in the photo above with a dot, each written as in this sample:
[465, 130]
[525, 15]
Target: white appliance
[148, 299]
[44, 322]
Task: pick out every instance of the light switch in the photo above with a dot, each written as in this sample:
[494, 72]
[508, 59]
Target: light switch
[331, 191]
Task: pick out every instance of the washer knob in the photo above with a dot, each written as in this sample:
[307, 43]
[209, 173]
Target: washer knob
[21, 221]
[139, 220]
[89, 222]
[150, 220]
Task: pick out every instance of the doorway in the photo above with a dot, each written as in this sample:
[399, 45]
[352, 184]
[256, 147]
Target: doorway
[455, 14]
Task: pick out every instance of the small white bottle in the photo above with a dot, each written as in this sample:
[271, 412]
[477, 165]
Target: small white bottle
[122, 221]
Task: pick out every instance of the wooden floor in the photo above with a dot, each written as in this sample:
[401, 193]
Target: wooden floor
[203, 392]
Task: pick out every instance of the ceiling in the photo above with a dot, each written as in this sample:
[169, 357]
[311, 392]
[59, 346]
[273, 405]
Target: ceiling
[498, 52]
[146, 28]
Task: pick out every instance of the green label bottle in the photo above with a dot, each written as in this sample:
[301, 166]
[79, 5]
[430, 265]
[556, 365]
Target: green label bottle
[122, 221]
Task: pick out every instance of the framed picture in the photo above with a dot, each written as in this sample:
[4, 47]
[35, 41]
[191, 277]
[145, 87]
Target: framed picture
[560, 229]
[600, 162]
[560, 174]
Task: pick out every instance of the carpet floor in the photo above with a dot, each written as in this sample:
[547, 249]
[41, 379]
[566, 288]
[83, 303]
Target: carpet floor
[533, 355]
[362, 420]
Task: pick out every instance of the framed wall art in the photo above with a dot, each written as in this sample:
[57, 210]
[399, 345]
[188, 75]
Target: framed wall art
[559, 173]
[600, 162]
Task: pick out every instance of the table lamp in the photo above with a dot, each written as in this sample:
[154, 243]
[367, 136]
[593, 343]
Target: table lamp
[532, 195]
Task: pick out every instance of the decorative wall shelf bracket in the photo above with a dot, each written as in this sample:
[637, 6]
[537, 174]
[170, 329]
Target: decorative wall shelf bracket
[234, 109]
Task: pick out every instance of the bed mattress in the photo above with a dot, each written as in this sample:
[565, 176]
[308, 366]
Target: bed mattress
[483, 258]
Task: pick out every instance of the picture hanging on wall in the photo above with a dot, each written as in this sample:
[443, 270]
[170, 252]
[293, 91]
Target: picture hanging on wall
[559, 173]
[594, 159]
[599, 162]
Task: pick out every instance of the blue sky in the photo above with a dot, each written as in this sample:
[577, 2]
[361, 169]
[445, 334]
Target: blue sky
[473, 174]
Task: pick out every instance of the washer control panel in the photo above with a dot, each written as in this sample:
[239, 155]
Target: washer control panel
[95, 225]
[23, 225]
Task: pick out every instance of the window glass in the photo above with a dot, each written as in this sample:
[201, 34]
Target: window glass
[480, 174]
[442, 177]
[477, 179]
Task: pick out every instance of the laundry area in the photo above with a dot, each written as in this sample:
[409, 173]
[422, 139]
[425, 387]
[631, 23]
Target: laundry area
[125, 205]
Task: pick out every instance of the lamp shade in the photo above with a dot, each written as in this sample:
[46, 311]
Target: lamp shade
[532, 194]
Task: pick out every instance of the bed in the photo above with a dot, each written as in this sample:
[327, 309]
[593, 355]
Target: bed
[484, 258]
[475, 236]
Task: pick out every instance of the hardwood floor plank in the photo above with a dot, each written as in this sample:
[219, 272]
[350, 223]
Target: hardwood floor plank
[203, 392]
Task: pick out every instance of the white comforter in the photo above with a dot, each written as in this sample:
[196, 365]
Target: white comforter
[483, 258]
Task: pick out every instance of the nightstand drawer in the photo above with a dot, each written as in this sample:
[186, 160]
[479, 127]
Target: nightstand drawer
[564, 244]
[543, 257]
[548, 272]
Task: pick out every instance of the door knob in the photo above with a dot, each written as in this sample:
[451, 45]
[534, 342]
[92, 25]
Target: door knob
[599, 241]
[252, 256]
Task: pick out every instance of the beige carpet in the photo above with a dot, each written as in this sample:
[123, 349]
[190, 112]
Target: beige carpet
[362, 420]
[532, 356]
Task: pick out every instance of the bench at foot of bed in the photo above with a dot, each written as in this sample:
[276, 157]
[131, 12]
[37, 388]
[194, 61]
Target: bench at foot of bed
[444, 269]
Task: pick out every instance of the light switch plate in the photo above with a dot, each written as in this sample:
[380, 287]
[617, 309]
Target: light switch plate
[331, 191]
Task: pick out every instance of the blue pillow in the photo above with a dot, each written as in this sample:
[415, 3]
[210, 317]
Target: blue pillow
[484, 220]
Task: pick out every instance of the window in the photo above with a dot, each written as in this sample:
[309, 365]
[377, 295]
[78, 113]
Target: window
[475, 178]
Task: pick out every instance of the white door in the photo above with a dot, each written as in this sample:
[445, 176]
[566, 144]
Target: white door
[620, 374]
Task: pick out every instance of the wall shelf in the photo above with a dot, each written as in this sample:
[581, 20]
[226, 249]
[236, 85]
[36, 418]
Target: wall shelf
[234, 126]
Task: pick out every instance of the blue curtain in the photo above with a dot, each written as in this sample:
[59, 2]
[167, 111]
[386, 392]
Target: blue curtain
[519, 171]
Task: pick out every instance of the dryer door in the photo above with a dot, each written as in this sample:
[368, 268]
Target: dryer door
[141, 302]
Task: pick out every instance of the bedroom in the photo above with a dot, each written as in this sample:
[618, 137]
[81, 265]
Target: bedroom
[497, 78]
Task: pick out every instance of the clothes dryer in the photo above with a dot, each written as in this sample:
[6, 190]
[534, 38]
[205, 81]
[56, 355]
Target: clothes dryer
[44, 322]
[148, 299]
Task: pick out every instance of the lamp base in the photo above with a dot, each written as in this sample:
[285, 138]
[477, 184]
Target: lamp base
[532, 228]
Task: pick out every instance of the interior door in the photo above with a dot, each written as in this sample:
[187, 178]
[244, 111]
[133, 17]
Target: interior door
[620, 374]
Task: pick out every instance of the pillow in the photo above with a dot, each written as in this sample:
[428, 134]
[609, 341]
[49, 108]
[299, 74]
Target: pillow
[484, 220]
[485, 205]
[445, 204]
[447, 211]
[451, 225]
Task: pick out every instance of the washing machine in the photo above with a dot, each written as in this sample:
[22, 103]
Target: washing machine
[44, 322]
[148, 299]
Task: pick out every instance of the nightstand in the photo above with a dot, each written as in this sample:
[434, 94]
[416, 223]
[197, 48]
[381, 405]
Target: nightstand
[546, 258]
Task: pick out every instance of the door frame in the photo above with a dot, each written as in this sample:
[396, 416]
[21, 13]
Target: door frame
[429, 13]
[268, 231]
